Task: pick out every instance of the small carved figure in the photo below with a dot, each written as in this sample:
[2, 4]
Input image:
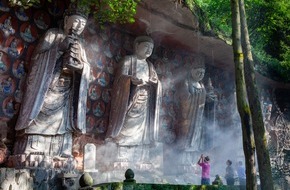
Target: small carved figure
[6, 86]
[12, 49]
[27, 34]
[7, 26]
[20, 70]
[94, 94]
[40, 22]
[21, 15]
[98, 111]
[9, 108]
[3, 67]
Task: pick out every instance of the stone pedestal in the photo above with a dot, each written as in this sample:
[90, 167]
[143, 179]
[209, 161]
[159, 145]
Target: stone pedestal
[40, 178]
[68, 180]
[111, 166]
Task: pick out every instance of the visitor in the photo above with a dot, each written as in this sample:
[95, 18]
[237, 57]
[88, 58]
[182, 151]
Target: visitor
[241, 173]
[205, 169]
[230, 173]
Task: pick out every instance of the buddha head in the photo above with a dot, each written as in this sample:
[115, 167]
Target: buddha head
[143, 47]
[75, 19]
[196, 69]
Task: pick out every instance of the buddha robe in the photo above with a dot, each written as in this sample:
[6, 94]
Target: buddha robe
[134, 116]
[191, 102]
[54, 105]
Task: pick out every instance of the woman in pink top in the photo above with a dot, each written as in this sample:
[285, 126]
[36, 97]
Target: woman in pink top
[205, 168]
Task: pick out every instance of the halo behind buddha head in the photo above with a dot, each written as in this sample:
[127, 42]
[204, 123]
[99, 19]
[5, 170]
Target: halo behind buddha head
[141, 39]
[197, 62]
[76, 9]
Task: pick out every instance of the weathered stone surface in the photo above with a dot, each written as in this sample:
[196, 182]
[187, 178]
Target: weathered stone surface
[40, 179]
[176, 27]
[3, 152]
[171, 27]
[90, 157]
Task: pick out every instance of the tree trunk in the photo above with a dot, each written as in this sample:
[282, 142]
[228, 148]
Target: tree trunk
[255, 107]
[242, 103]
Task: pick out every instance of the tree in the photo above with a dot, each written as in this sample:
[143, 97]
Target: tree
[255, 107]
[242, 102]
[270, 35]
[268, 28]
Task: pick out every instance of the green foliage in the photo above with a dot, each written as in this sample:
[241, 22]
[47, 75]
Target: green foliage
[113, 11]
[198, 12]
[285, 63]
[86, 180]
[104, 11]
[219, 14]
[24, 3]
[270, 35]
[206, 11]
[268, 24]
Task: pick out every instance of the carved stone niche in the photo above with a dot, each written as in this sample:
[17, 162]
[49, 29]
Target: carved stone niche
[90, 158]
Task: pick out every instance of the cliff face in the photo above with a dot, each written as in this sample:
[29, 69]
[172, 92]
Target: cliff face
[177, 27]
[178, 39]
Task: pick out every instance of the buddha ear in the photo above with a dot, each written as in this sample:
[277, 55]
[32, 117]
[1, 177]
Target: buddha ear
[65, 20]
[135, 47]
[65, 23]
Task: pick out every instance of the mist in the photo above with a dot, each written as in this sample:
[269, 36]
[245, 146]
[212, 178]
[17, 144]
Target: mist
[106, 46]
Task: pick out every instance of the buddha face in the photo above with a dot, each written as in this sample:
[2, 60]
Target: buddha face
[143, 49]
[76, 23]
[197, 74]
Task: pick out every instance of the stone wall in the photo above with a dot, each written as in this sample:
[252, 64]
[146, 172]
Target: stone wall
[105, 45]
